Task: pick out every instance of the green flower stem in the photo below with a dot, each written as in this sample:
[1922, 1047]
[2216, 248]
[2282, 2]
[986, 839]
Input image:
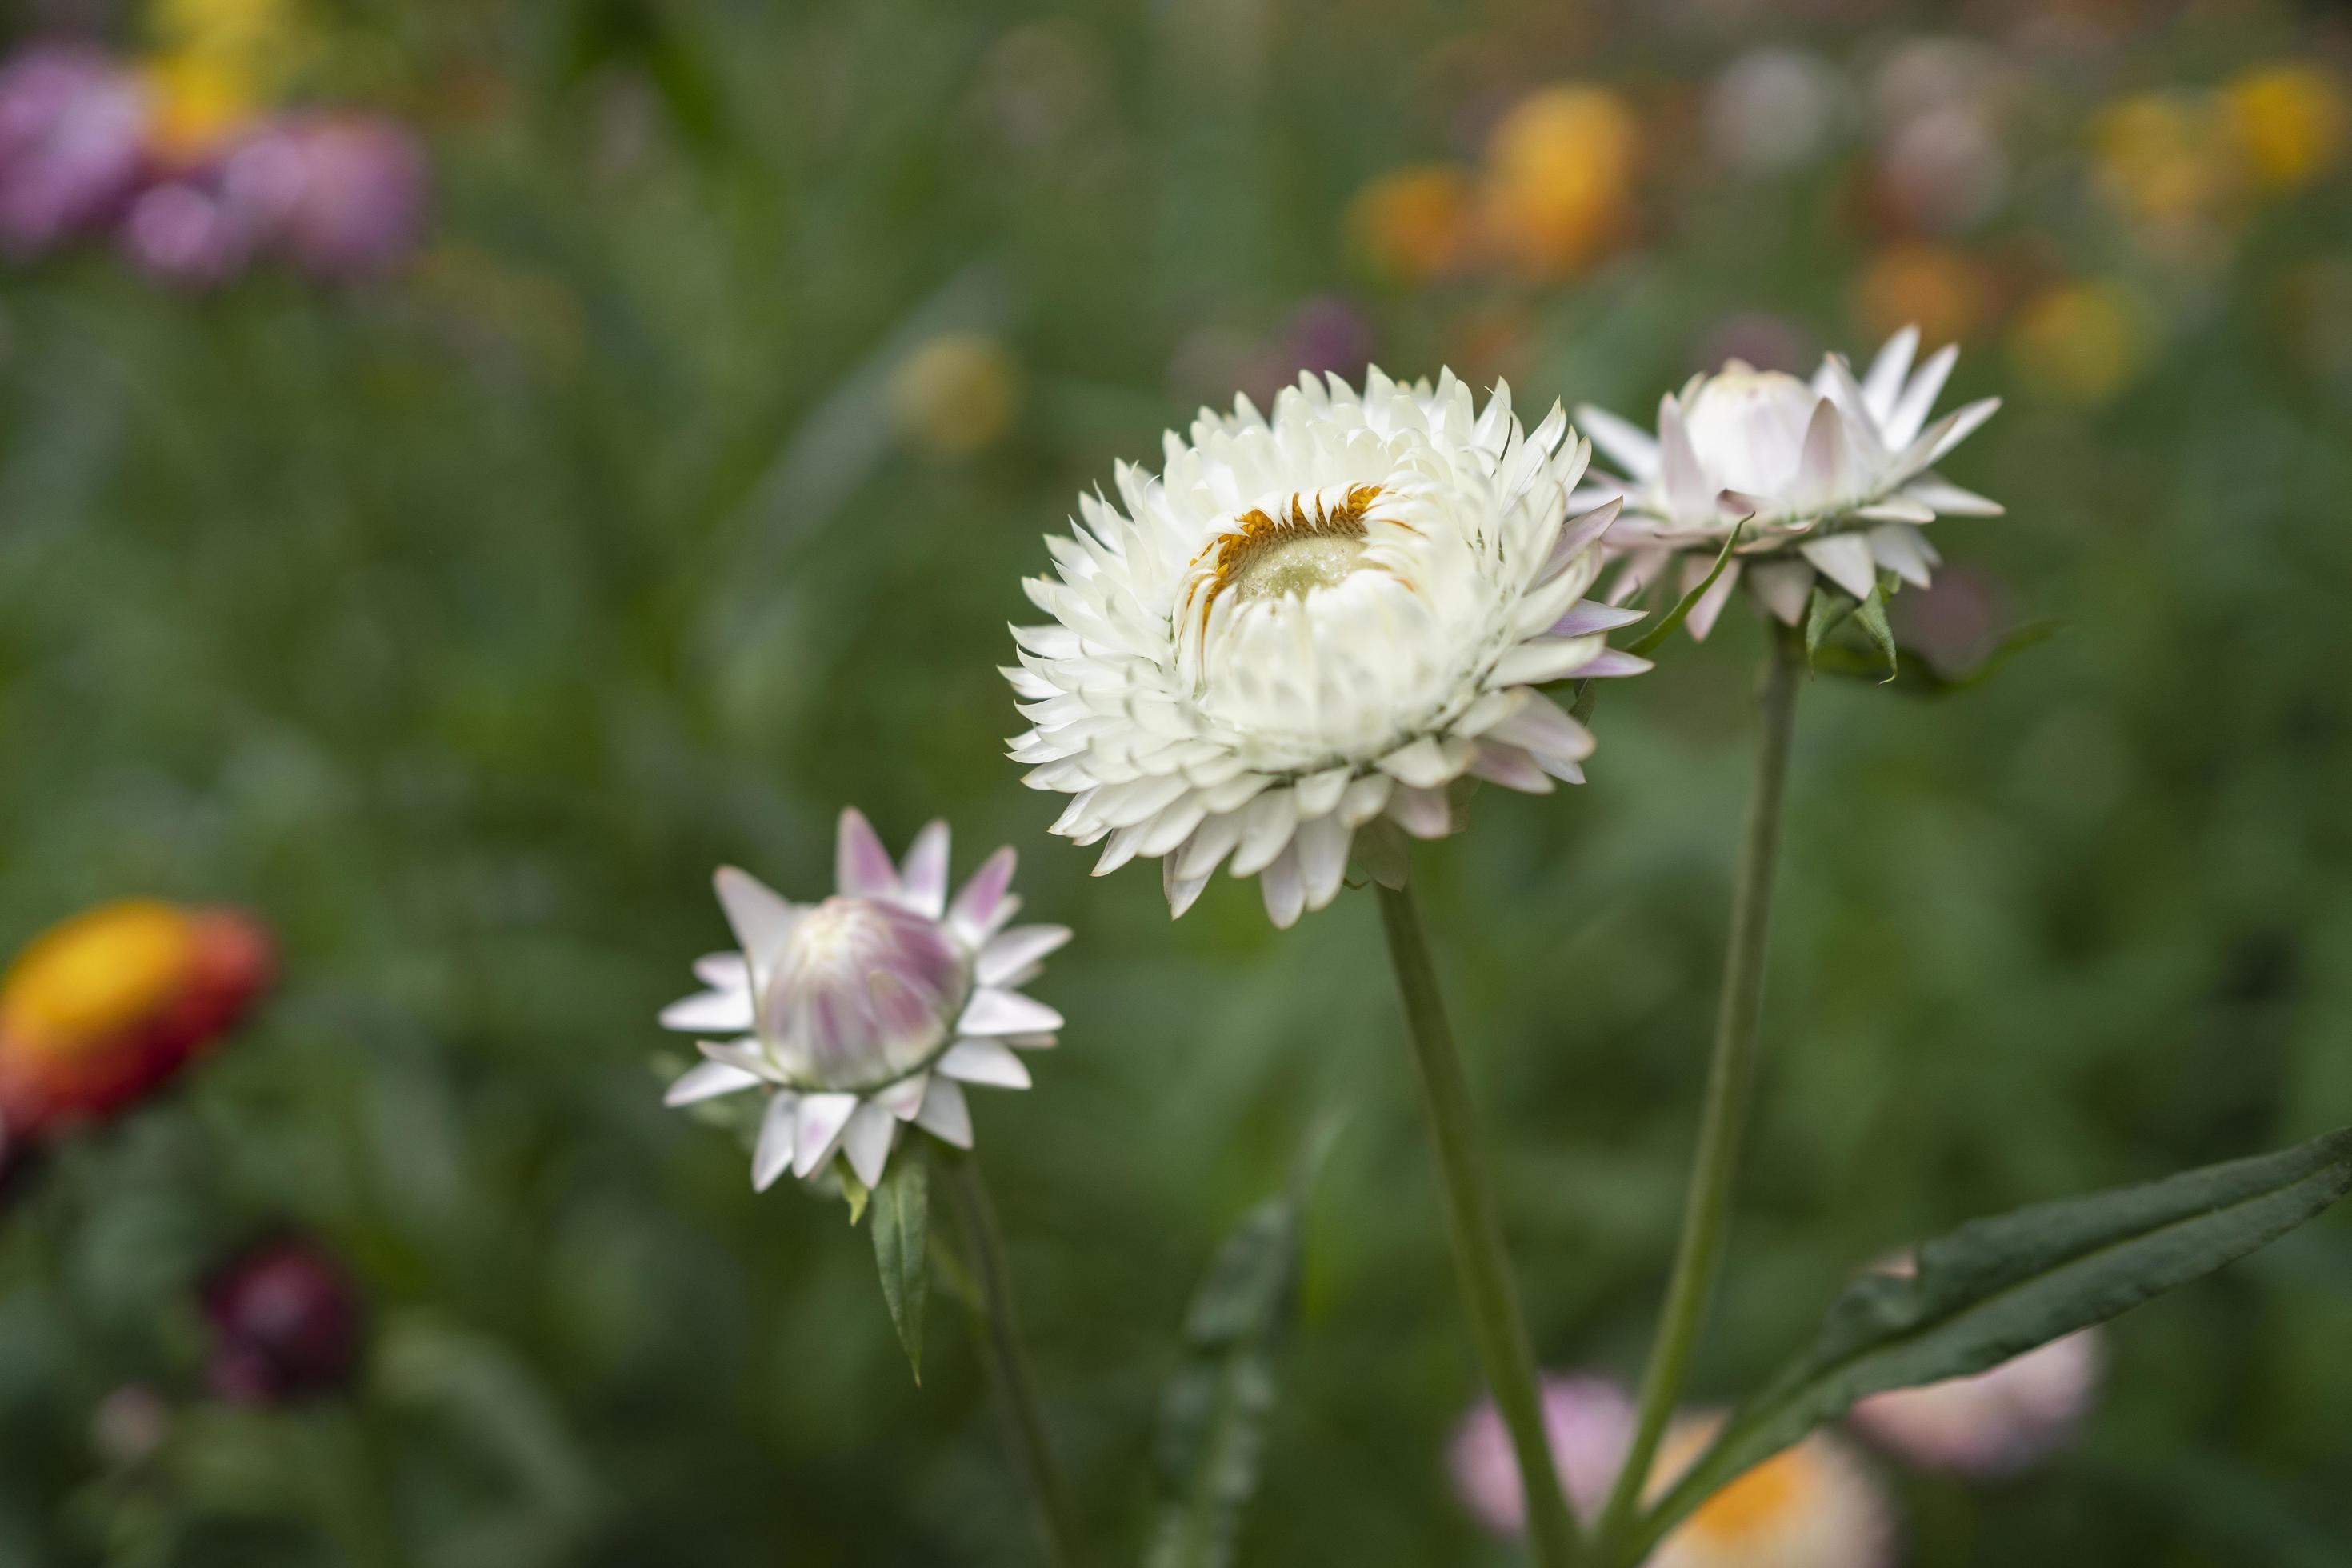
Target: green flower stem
[1731, 1088]
[1000, 1337]
[1496, 1325]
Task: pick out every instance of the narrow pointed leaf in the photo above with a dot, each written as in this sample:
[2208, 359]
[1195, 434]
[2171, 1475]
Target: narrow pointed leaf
[1683, 607]
[1997, 1287]
[902, 1228]
[1214, 1411]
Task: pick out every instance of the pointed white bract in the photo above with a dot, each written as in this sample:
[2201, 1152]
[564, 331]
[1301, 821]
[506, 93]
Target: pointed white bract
[1834, 479]
[1309, 622]
[858, 1014]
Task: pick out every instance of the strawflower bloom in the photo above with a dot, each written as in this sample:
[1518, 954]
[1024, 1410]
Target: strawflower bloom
[1834, 478]
[1590, 1423]
[105, 1009]
[869, 1010]
[1811, 1506]
[1309, 622]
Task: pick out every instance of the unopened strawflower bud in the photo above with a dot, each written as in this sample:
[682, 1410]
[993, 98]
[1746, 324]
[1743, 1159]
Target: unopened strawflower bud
[870, 1009]
[1827, 479]
[287, 1323]
[103, 1010]
[1589, 1421]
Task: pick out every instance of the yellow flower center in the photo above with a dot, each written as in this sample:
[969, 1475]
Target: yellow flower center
[1758, 1501]
[95, 974]
[1311, 543]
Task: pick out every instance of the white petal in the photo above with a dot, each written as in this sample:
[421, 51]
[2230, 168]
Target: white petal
[1511, 767]
[1782, 586]
[1902, 552]
[707, 1080]
[865, 1144]
[1322, 846]
[924, 874]
[1884, 382]
[1183, 891]
[1910, 411]
[980, 908]
[1284, 890]
[1627, 445]
[989, 1062]
[1364, 798]
[761, 917]
[711, 1012]
[723, 972]
[1016, 949]
[774, 1152]
[1541, 659]
[861, 867]
[1844, 559]
[1267, 823]
[904, 1098]
[817, 1126]
[1424, 812]
[946, 1115]
[995, 1012]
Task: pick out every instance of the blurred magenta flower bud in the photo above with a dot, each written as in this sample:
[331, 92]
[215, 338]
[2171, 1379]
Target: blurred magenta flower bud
[1591, 1422]
[72, 125]
[341, 195]
[288, 1324]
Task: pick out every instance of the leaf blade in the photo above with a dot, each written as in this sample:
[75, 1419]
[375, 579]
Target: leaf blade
[902, 1228]
[1997, 1287]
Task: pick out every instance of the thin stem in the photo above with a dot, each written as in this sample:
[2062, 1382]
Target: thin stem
[1730, 1086]
[1009, 1365]
[1497, 1326]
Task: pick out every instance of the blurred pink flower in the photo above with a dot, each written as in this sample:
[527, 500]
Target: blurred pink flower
[187, 233]
[71, 130]
[1995, 1423]
[288, 1322]
[341, 196]
[1591, 1422]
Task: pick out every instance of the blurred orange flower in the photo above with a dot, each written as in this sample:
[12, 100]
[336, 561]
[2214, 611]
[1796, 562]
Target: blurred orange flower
[100, 1011]
[1556, 191]
[1413, 224]
[2292, 123]
[2081, 343]
[1942, 288]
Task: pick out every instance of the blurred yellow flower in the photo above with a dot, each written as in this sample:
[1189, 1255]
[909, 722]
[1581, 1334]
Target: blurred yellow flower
[224, 26]
[2164, 159]
[1941, 289]
[200, 102]
[2292, 123]
[1811, 1506]
[97, 973]
[1556, 191]
[958, 394]
[2081, 343]
[1413, 224]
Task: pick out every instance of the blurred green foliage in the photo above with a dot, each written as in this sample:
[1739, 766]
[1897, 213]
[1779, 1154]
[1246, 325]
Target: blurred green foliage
[461, 625]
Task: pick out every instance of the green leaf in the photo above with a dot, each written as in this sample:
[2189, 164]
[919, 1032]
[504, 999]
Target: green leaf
[902, 1229]
[1684, 605]
[1213, 1413]
[1827, 610]
[1870, 616]
[1996, 1288]
[1918, 678]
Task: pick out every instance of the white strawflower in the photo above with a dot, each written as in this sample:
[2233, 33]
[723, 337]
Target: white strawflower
[1310, 621]
[869, 1010]
[1835, 475]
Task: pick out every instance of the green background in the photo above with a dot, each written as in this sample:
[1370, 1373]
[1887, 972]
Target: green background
[461, 624]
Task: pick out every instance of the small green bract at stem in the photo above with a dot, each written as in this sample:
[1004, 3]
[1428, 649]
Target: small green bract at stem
[1497, 1327]
[902, 1227]
[1997, 1287]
